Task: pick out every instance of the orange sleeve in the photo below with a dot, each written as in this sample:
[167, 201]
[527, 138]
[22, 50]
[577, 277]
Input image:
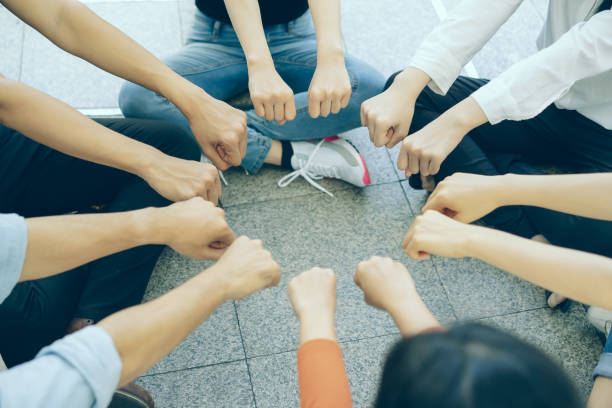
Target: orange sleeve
[322, 376]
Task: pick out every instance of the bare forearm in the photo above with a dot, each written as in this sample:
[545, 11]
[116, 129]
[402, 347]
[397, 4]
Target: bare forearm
[57, 125]
[317, 325]
[587, 195]
[60, 243]
[161, 324]
[412, 316]
[246, 19]
[326, 18]
[578, 275]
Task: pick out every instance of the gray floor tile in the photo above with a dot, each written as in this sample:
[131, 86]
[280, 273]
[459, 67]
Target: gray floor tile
[244, 188]
[386, 36]
[318, 231]
[155, 25]
[217, 340]
[541, 6]
[567, 337]
[11, 33]
[514, 41]
[222, 385]
[275, 380]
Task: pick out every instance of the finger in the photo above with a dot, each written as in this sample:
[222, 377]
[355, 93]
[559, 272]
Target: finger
[212, 196]
[213, 154]
[402, 159]
[243, 145]
[362, 113]
[381, 134]
[260, 109]
[290, 111]
[413, 162]
[229, 154]
[218, 185]
[325, 107]
[279, 112]
[424, 165]
[434, 167]
[335, 106]
[371, 129]
[345, 100]
[269, 111]
[314, 106]
[408, 237]
[400, 132]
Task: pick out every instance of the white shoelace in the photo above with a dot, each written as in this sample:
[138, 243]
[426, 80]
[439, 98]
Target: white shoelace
[310, 172]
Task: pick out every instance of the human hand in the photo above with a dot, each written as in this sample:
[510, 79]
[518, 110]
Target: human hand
[194, 228]
[313, 291]
[388, 285]
[178, 180]
[466, 197]
[424, 151]
[388, 115]
[245, 268]
[435, 233]
[330, 89]
[385, 283]
[271, 96]
[219, 129]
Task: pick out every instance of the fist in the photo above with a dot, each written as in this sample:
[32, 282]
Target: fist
[247, 267]
[385, 283]
[313, 291]
[435, 233]
[330, 89]
[272, 98]
[195, 228]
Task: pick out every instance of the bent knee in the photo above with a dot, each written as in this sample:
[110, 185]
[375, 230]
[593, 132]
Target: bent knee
[138, 102]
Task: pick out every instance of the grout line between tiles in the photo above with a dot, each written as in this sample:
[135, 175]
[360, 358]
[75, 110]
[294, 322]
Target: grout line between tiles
[246, 360]
[193, 368]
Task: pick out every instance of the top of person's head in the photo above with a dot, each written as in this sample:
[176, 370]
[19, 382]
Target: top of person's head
[472, 366]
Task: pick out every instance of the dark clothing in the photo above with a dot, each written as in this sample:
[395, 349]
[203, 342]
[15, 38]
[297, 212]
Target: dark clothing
[38, 181]
[272, 11]
[561, 138]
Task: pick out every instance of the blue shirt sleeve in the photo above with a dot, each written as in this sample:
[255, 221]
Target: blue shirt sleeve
[80, 370]
[13, 244]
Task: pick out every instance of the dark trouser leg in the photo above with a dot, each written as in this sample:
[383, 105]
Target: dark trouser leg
[39, 181]
[549, 138]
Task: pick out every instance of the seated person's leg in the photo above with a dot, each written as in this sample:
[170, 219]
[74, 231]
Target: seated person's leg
[601, 394]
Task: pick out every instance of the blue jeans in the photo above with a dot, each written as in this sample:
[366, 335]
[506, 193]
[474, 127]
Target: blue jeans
[213, 60]
[604, 366]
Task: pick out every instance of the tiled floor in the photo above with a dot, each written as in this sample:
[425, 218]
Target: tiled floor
[244, 355]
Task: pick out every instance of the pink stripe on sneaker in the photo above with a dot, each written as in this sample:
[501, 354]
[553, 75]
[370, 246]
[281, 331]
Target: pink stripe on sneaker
[332, 138]
[366, 176]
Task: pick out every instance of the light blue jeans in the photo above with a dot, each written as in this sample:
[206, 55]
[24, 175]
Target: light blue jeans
[214, 60]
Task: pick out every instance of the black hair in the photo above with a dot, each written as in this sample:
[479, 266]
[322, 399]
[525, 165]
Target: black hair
[472, 366]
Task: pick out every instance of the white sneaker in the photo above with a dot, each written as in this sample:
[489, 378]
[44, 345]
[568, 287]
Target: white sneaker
[331, 157]
[600, 318]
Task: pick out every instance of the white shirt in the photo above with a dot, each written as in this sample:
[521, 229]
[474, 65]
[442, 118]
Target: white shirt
[573, 68]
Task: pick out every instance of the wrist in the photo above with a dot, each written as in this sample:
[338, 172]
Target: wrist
[466, 115]
[145, 226]
[411, 81]
[330, 56]
[317, 325]
[260, 63]
[412, 316]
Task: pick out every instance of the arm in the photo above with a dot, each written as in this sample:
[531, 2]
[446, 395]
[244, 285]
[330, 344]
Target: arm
[57, 244]
[470, 197]
[85, 368]
[388, 285]
[219, 128]
[584, 277]
[437, 62]
[321, 373]
[272, 98]
[164, 322]
[330, 88]
[62, 128]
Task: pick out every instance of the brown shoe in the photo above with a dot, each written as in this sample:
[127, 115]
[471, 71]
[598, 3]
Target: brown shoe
[132, 395]
[78, 323]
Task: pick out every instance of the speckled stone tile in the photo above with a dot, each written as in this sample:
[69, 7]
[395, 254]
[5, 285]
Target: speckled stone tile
[217, 340]
[337, 233]
[275, 380]
[216, 386]
[244, 188]
[11, 33]
[387, 35]
[567, 337]
[155, 25]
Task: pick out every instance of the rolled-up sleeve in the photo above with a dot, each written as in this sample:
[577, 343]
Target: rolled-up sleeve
[528, 87]
[80, 370]
[13, 244]
[453, 43]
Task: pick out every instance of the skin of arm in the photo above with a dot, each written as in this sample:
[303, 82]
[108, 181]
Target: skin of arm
[578, 275]
[469, 197]
[56, 244]
[60, 127]
[272, 97]
[330, 88]
[387, 285]
[220, 129]
[164, 322]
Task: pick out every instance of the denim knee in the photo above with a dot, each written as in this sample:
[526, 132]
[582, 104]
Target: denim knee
[135, 101]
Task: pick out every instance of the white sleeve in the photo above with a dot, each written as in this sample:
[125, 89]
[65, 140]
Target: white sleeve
[452, 44]
[80, 370]
[528, 87]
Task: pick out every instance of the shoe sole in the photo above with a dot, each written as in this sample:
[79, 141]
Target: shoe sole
[123, 399]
